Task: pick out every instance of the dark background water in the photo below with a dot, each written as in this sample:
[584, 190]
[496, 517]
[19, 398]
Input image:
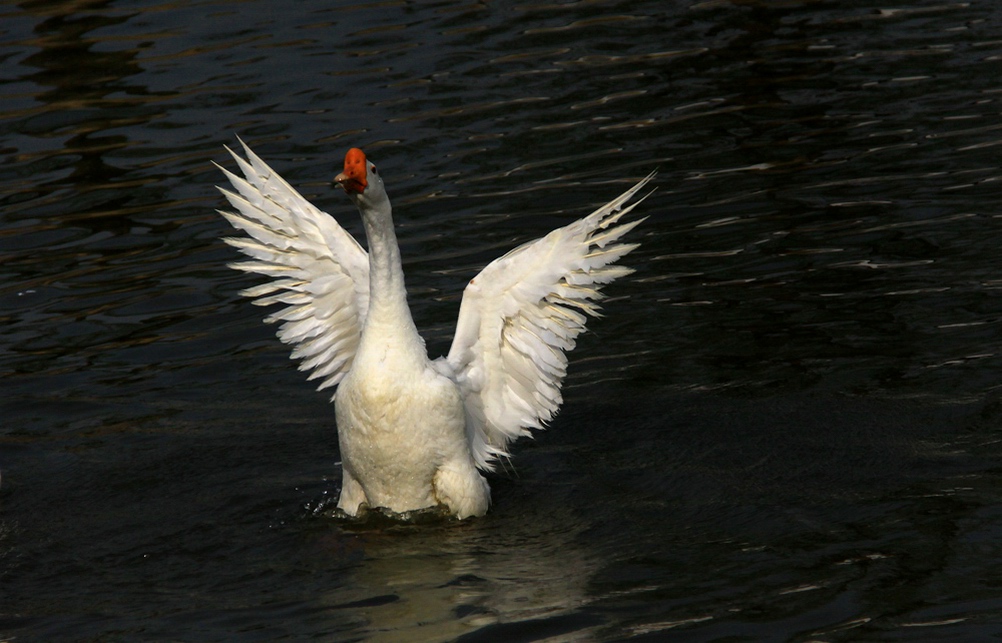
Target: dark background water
[785, 428]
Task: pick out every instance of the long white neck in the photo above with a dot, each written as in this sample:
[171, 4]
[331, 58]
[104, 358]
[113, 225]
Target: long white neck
[389, 318]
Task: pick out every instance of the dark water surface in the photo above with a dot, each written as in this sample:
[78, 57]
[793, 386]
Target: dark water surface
[787, 428]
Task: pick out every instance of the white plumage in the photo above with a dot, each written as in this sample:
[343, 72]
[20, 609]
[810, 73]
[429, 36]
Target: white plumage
[412, 431]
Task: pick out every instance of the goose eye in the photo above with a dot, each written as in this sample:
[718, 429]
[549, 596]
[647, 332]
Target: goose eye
[374, 170]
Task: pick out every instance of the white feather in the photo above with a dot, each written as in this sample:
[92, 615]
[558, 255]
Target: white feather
[520, 316]
[319, 271]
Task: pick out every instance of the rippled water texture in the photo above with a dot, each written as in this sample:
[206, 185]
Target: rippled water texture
[785, 428]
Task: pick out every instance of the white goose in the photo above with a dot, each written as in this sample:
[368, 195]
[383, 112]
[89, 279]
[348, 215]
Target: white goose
[413, 432]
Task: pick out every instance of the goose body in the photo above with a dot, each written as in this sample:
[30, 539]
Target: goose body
[415, 433]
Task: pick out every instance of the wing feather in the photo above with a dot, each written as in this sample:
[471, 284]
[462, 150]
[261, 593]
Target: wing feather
[318, 271]
[519, 318]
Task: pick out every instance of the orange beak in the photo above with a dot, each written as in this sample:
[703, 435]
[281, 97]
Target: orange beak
[353, 179]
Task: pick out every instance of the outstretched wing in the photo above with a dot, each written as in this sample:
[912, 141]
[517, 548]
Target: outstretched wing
[315, 268]
[519, 317]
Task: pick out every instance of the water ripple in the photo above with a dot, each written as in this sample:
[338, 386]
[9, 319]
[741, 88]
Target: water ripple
[789, 408]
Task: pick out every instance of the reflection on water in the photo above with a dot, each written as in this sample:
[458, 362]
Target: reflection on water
[441, 583]
[784, 428]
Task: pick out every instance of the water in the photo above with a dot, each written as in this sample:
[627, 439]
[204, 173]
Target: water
[785, 428]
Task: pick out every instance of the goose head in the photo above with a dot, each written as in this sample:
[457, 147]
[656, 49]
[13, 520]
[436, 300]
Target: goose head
[362, 182]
